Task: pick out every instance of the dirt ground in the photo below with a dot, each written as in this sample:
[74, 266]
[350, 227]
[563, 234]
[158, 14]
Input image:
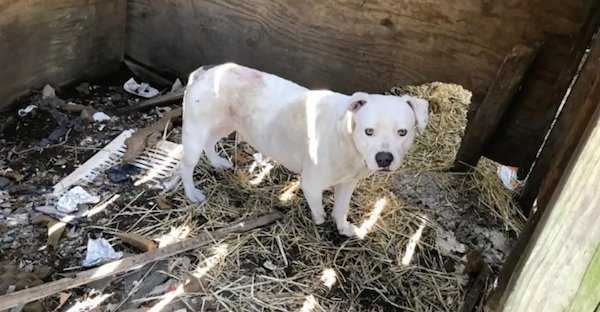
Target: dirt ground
[437, 212]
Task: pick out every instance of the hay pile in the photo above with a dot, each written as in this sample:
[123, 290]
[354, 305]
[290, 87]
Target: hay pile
[297, 266]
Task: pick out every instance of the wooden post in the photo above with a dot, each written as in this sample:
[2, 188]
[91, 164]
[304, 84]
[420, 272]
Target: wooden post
[497, 100]
[559, 269]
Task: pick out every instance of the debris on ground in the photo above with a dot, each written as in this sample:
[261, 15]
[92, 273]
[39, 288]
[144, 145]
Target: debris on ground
[138, 241]
[69, 202]
[141, 89]
[100, 117]
[437, 243]
[99, 251]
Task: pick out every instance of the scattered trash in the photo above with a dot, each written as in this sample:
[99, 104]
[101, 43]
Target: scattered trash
[25, 111]
[122, 173]
[141, 89]
[176, 85]
[137, 241]
[99, 251]
[68, 202]
[100, 117]
[88, 171]
[508, 176]
[48, 92]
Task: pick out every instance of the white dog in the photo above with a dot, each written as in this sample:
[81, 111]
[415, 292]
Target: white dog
[330, 139]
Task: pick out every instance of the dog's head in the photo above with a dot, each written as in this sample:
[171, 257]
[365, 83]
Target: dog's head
[384, 127]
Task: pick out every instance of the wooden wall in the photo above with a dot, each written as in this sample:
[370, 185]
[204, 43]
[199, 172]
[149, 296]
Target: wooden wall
[57, 41]
[368, 45]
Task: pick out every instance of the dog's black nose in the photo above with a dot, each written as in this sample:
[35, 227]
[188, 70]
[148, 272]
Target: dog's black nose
[384, 159]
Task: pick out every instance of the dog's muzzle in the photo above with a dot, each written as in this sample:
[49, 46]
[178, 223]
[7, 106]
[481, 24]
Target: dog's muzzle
[384, 159]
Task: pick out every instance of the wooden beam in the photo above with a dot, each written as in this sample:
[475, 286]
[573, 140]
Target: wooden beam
[137, 261]
[565, 134]
[562, 142]
[58, 42]
[557, 269]
[527, 122]
[497, 100]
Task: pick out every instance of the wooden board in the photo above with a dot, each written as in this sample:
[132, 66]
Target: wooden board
[559, 269]
[490, 113]
[563, 139]
[351, 45]
[527, 121]
[57, 41]
[346, 45]
[568, 133]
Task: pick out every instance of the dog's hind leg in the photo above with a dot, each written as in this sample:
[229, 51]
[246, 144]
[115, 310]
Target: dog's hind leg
[192, 150]
[213, 138]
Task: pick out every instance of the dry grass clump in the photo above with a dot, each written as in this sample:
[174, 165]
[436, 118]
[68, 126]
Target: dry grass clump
[297, 266]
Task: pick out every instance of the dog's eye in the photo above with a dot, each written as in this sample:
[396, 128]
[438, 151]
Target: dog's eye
[402, 132]
[369, 131]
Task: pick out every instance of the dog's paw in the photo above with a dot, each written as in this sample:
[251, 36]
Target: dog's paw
[195, 196]
[318, 219]
[351, 230]
[221, 163]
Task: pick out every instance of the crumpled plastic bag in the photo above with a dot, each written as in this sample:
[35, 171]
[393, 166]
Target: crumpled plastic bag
[99, 251]
[141, 89]
[68, 202]
[508, 176]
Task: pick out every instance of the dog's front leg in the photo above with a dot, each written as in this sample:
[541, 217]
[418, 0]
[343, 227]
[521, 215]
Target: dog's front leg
[313, 192]
[342, 195]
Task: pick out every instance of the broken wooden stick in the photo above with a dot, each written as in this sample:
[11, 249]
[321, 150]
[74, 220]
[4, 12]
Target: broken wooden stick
[161, 100]
[129, 263]
[138, 141]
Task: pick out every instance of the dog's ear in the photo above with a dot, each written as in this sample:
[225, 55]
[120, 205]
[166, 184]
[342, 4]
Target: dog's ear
[357, 100]
[421, 109]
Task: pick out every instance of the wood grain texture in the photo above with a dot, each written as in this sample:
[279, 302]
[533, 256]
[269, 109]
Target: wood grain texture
[490, 113]
[554, 159]
[57, 41]
[526, 123]
[346, 45]
[351, 45]
[566, 133]
[560, 257]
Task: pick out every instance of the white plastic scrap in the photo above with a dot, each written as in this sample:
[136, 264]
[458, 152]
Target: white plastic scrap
[508, 176]
[99, 251]
[100, 117]
[24, 111]
[75, 196]
[141, 89]
[48, 92]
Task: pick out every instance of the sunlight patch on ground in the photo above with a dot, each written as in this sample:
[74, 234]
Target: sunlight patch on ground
[368, 224]
[412, 243]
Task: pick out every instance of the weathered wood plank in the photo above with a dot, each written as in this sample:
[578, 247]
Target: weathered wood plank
[57, 41]
[346, 45]
[561, 144]
[567, 131]
[350, 45]
[527, 121]
[588, 294]
[553, 266]
[489, 114]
